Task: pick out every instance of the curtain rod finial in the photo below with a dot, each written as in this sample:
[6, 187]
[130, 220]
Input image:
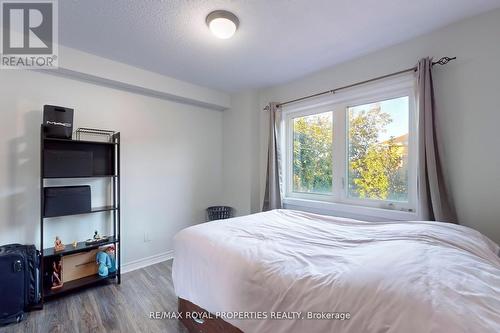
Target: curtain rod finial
[444, 60]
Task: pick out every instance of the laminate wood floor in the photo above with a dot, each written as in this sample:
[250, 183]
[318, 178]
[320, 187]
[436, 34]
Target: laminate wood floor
[110, 307]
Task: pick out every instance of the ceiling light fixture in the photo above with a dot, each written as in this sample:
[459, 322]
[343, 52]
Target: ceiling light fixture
[222, 23]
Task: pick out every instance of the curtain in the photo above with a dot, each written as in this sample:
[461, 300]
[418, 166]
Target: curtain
[272, 196]
[435, 202]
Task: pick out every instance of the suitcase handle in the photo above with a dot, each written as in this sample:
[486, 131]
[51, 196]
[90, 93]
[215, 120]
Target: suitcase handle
[17, 266]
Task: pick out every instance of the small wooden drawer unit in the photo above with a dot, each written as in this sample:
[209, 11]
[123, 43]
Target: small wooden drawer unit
[77, 266]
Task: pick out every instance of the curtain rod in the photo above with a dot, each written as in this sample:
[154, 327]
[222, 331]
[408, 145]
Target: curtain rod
[442, 61]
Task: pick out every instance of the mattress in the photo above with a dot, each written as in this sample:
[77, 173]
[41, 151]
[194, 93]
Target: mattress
[294, 272]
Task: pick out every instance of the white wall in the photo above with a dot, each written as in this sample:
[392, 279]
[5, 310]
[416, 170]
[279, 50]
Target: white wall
[171, 161]
[467, 108]
[241, 154]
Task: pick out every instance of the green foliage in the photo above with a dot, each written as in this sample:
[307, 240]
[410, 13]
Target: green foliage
[375, 169]
[363, 131]
[312, 153]
[374, 173]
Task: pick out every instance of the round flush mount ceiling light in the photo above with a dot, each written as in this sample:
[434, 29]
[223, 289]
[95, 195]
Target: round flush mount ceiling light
[222, 24]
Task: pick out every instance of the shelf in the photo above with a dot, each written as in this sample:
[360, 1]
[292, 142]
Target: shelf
[93, 210]
[80, 247]
[79, 177]
[80, 162]
[80, 141]
[77, 284]
[62, 158]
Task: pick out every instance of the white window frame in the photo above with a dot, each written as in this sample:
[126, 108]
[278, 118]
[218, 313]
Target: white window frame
[338, 103]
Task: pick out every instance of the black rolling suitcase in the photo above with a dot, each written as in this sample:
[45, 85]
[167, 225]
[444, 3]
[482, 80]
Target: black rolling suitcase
[19, 281]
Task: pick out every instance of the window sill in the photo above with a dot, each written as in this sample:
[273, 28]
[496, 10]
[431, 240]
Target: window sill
[349, 211]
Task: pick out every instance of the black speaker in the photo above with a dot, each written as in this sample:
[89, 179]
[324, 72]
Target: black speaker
[66, 200]
[58, 121]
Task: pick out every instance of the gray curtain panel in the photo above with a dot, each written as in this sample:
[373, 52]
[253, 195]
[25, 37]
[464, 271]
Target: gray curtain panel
[435, 202]
[272, 197]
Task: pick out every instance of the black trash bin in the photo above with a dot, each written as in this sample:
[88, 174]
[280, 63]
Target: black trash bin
[219, 212]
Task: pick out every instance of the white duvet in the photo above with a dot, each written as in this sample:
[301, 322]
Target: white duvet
[389, 276]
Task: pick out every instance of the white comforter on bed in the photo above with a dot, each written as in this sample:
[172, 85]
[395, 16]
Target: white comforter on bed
[390, 276]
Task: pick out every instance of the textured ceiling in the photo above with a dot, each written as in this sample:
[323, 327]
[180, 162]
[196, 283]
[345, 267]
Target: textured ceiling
[277, 41]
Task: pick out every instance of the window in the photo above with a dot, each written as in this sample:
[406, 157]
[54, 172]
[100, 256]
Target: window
[312, 153]
[378, 150]
[355, 148]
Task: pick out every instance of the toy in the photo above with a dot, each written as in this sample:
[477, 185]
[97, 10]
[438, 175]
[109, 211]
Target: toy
[110, 251]
[58, 245]
[96, 239]
[104, 262]
[56, 275]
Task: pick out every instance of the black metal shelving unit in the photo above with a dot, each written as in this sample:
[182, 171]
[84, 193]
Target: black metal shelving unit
[106, 164]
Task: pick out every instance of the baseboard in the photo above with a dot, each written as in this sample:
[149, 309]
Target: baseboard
[148, 261]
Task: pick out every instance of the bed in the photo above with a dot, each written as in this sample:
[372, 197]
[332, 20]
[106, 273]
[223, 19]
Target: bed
[286, 271]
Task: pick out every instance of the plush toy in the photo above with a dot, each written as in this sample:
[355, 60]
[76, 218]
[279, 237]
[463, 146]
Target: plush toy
[110, 251]
[104, 262]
